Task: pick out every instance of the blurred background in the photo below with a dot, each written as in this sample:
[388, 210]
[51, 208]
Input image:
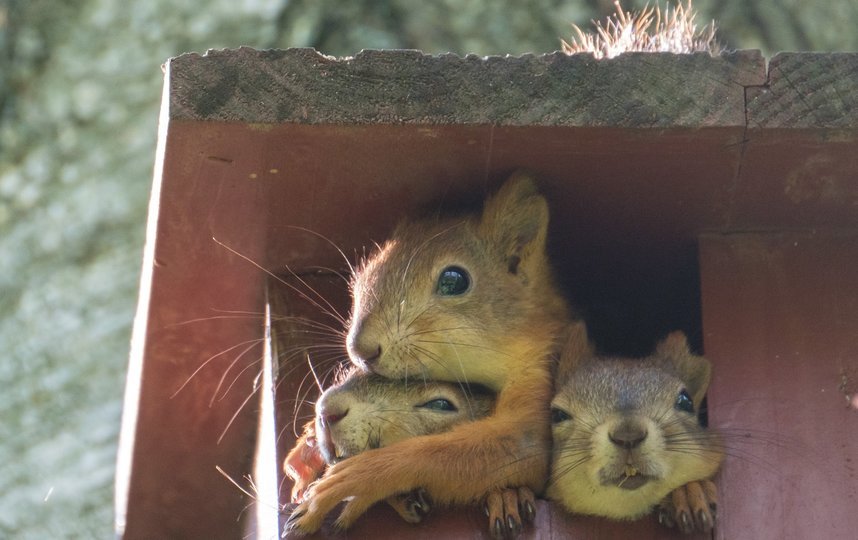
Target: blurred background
[80, 85]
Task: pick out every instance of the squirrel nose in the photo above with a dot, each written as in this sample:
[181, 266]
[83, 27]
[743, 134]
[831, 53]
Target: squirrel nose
[368, 354]
[329, 418]
[363, 350]
[628, 435]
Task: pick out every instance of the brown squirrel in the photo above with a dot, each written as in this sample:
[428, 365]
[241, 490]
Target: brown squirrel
[364, 411]
[464, 299]
[674, 32]
[626, 434]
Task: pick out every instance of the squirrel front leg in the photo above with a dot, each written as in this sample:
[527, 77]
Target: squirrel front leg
[510, 448]
[304, 465]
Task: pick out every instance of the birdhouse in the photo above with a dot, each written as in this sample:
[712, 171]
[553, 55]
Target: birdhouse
[714, 195]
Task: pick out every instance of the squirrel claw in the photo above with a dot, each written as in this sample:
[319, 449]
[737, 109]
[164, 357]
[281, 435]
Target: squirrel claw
[703, 522]
[420, 501]
[529, 511]
[666, 518]
[498, 530]
[685, 523]
[690, 508]
[508, 509]
[291, 528]
[413, 506]
[513, 526]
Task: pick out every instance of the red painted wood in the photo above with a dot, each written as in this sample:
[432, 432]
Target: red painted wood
[623, 231]
[780, 313]
[552, 522]
[192, 413]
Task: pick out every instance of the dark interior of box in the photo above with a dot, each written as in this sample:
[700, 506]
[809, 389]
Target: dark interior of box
[624, 216]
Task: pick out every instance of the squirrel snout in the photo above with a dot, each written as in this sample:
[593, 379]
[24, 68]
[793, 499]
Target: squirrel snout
[363, 350]
[628, 435]
[329, 418]
[332, 407]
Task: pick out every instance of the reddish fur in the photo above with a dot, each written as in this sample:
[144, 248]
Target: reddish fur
[511, 448]
[458, 467]
[304, 464]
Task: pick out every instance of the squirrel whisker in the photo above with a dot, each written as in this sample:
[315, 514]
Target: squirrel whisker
[330, 243]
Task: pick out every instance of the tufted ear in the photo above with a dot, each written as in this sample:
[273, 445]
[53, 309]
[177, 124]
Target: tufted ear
[694, 370]
[575, 349]
[515, 221]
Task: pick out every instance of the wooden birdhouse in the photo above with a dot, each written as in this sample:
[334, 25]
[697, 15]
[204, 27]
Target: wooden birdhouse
[715, 195]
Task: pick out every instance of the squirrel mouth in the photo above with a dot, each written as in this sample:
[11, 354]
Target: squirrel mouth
[632, 482]
[338, 453]
[630, 479]
[327, 447]
[332, 452]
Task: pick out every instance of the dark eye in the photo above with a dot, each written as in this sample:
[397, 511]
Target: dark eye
[453, 281]
[439, 404]
[684, 402]
[559, 415]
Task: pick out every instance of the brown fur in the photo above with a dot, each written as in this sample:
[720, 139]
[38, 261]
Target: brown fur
[500, 334]
[304, 463]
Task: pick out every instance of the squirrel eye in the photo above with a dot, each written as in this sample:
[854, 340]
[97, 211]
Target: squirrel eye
[559, 415]
[439, 404]
[453, 281]
[684, 402]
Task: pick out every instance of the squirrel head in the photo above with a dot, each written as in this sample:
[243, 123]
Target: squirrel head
[461, 298]
[626, 430]
[366, 411]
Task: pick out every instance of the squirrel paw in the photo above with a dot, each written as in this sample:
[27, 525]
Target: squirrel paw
[304, 464]
[296, 526]
[691, 508]
[349, 479]
[308, 516]
[508, 509]
[411, 507]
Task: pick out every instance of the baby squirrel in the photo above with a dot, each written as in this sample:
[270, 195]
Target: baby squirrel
[365, 411]
[463, 299]
[626, 433]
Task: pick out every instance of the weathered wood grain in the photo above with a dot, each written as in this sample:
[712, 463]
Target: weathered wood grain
[807, 90]
[378, 87]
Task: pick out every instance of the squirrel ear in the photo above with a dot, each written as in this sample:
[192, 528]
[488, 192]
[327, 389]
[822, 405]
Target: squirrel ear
[693, 369]
[516, 220]
[575, 348]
